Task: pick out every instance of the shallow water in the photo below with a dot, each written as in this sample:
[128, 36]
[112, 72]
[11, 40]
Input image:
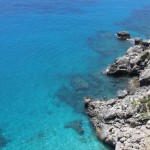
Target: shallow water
[52, 54]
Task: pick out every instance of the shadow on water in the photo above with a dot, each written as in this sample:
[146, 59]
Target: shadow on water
[94, 83]
[138, 21]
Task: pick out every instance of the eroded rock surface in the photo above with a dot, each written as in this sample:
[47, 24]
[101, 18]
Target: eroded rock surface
[124, 123]
[132, 63]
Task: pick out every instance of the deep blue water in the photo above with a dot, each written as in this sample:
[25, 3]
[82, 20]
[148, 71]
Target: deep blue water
[48, 48]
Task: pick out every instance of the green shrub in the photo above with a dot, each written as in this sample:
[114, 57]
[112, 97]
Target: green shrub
[143, 101]
[143, 115]
[148, 105]
[134, 103]
[145, 104]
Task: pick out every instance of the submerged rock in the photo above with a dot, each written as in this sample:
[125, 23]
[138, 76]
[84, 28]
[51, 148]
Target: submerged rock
[123, 35]
[76, 125]
[71, 98]
[78, 83]
[3, 141]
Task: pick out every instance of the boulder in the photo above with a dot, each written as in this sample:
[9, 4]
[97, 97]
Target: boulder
[119, 68]
[137, 41]
[122, 93]
[3, 141]
[123, 35]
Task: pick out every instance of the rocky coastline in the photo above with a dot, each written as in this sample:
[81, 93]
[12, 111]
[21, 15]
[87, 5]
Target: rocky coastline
[124, 122]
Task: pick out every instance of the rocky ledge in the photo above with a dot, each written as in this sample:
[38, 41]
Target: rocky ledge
[124, 122]
[132, 63]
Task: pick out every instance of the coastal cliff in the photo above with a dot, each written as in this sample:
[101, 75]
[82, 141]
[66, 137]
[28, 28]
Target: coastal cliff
[124, 122]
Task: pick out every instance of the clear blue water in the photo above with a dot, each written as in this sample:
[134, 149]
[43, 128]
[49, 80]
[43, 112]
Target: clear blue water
[45, 45]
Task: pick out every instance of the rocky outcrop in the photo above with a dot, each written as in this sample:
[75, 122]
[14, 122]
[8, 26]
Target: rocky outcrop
[124, 123]
[123, 35]
[132, 63]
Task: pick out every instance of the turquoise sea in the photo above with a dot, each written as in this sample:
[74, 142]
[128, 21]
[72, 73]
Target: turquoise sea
[52, 54]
